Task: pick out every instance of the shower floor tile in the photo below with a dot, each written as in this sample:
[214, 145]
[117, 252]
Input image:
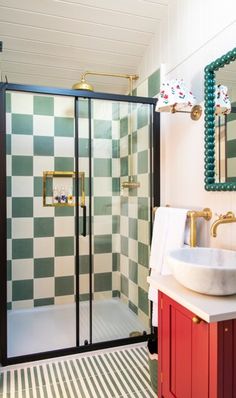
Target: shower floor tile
[53, 327]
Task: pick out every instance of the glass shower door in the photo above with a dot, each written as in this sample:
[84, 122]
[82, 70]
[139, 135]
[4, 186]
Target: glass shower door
[40, 223]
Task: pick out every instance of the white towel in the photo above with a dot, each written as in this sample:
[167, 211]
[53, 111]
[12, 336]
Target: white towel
[169, 233]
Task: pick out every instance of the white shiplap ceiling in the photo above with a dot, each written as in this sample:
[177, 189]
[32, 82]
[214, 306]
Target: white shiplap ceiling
[51, 42]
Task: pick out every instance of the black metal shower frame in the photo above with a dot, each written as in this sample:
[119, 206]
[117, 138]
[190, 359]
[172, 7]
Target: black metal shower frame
[154, 200]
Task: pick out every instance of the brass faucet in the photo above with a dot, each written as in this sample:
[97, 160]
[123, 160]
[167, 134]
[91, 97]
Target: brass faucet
[223, 219]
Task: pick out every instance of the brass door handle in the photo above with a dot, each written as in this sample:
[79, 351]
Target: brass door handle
[196, 320]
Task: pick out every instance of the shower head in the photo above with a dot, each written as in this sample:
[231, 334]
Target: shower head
[82, 85]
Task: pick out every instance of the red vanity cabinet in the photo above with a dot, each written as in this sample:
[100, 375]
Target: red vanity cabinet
[196, 359]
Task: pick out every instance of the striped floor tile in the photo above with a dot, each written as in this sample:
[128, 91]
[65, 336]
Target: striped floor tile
[119, 373]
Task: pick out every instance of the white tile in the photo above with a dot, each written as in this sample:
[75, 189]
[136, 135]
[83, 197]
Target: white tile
[64, 147]
[115, 167]
[133, 292]
[9, 249]
[124, 226]
[115, 129]
[102, 295]
[102, 110]
[124, 265]
[63, 106]
[115, 205]
[44, 247]
[124, 147]
[64, 265]
[44, 287]
[22, 304]
[65, 300]
[102, 186]
[22, 269]
[143, 139]
[64, 226]
[40, 210]
[22, 228]
[102, 263]
[116, 280]
[124, 109]
[22, 145]
[42, 163]
[84, 283]
[84, 166]
[133, 160]
[143, 190]
[9, 207]
[43, 125]
[8, 165]
[133, 250]
[8, 123]
[22, 187]
[83, 128]
[102, 149]
[84, 245]
[144, 319]
[133, 207]
[116, 243]
[22, 103]
[142, 89]
[143, 273]
[143, 231]
[102, 225]
[9, 291]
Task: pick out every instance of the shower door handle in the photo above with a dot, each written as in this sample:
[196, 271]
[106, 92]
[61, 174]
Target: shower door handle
[84, 232]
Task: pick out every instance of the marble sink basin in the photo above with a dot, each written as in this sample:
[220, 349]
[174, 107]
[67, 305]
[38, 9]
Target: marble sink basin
[205, 270]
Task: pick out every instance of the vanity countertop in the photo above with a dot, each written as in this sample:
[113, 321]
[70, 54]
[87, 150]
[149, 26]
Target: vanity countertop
[208, 308]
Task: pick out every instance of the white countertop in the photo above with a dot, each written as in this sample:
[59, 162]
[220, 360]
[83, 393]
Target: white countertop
[208, 308]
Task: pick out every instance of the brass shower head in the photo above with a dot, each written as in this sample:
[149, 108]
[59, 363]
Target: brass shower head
[83, 85]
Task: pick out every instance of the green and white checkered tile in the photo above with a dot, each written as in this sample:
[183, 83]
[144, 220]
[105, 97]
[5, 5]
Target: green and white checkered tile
[120, 373]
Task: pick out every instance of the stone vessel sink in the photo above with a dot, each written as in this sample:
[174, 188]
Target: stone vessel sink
[205, 270]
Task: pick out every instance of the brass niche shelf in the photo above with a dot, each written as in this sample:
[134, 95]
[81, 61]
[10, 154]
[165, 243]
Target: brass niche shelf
[63, 174]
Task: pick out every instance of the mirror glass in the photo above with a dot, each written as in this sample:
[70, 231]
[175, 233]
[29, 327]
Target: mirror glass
[220, 128]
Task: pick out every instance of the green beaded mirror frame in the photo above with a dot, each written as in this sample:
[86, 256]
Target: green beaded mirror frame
[209, 90]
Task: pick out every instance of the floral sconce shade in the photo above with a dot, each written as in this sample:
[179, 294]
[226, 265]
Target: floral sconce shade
[222, 101]
[175, 97]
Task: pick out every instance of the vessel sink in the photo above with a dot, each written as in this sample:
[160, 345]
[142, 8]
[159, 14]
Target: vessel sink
[204, 270]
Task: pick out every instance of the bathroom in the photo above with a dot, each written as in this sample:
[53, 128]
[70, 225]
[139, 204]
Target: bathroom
[181, 48]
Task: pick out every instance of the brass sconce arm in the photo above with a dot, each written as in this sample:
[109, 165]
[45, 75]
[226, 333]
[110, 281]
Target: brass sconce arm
[131, 78]
[229, 217]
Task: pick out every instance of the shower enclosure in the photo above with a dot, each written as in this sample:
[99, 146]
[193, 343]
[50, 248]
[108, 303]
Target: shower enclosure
[74, 238]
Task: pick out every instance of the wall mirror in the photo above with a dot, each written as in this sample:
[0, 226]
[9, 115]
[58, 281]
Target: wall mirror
[220, 129]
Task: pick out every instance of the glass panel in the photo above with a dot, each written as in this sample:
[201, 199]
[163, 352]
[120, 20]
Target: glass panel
[121, 219]
[41, 247]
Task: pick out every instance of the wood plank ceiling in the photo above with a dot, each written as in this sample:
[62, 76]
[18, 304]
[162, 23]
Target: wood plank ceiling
[51, 42]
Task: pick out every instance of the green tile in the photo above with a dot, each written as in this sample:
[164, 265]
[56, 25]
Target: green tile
[85, 297]
[43, 226]
[115, 261]
[64, 164]
[133, 271]
[64, 211]
[103, 244]
[142, 116]
[43, 105]
[22, 165]
[102, 205]
[22, 248]
[64, 127]
[123, 126]
[83, 108]
[143, 300]
[38, 186]
[43, 301]
[143, 162]
[133, 228]
[143, 254]
[134, 92]
[133, 307]
[43, 267]
[124, 246]
[22, 124]
[124, 285]
[43, 146]
[124, 206]
[84, 147]
[9, 270]
[115, 149]
[124, 166]
[115, 293]
[115, 224]
[154, 83]
[103, 282]
[64, 285]
[9, 228]
[115, 186]
[22, 207]
[22, 290]
[8, 183]
[134, 141]
[8, 144]
[102, 129]
[9, 307]
[115, 111]
[8, 102]
[143, 209]
[231, 149]
[84, 263]
[102, 167]
[134, 191]
[64, 246]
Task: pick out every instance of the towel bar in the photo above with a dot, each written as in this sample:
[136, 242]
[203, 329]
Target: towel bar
[193, 215]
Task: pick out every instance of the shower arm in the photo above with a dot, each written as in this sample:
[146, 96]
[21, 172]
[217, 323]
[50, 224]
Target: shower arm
[131, 78]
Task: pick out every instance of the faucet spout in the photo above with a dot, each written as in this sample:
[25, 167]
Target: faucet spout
[229, 217]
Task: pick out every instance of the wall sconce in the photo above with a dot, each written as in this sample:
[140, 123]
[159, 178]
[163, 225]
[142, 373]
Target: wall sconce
[175, 97]
[222, 101]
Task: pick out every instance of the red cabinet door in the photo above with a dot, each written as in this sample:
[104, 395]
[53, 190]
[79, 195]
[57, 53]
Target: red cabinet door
[183, 353]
